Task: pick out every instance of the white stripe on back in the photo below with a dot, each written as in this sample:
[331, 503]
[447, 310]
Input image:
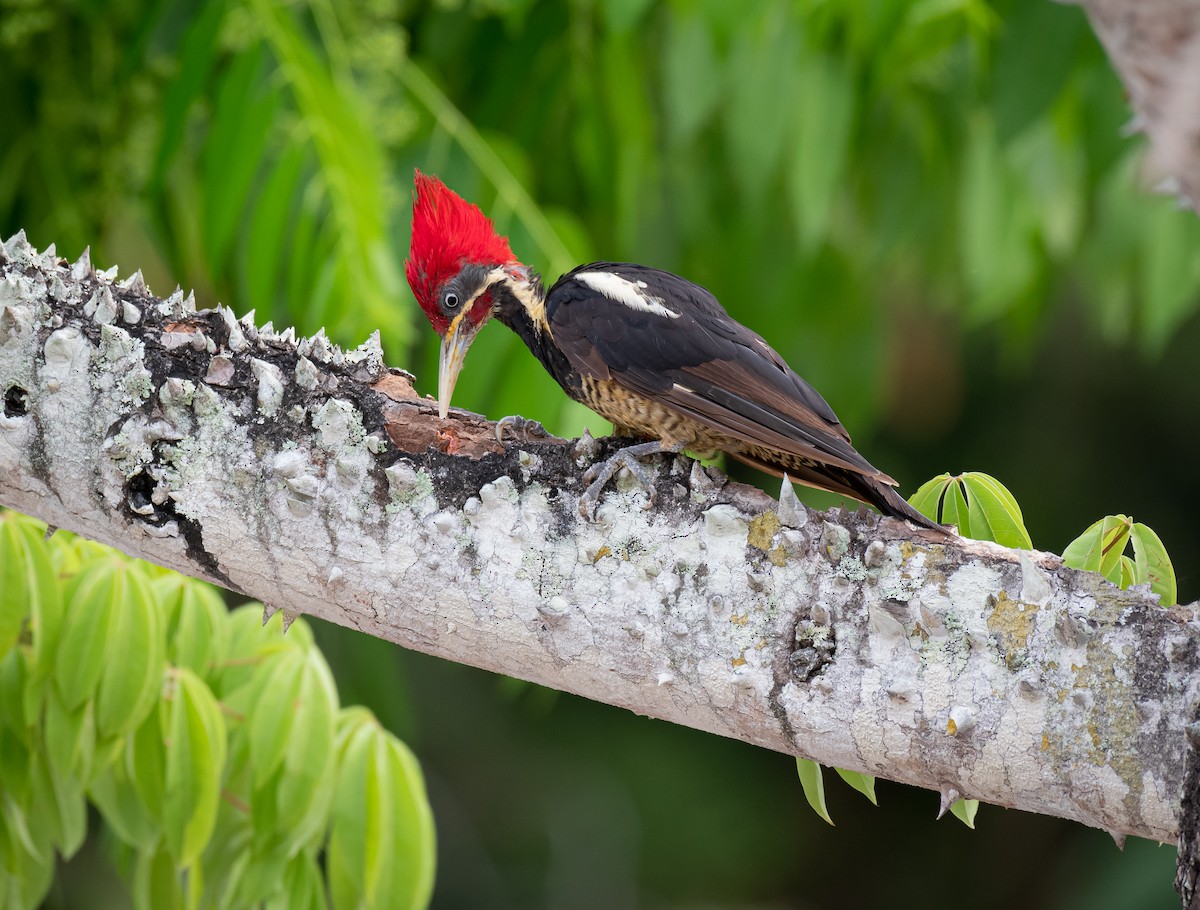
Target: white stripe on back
[626, 292]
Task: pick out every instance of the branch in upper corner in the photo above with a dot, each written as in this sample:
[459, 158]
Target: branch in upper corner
[1154, 45]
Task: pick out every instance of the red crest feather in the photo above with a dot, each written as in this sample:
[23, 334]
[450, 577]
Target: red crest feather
[447, 233]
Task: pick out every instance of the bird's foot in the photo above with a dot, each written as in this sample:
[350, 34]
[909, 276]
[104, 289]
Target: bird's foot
[519, 429]
[598, 476]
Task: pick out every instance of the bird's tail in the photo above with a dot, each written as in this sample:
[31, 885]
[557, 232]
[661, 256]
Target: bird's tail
[885, 498]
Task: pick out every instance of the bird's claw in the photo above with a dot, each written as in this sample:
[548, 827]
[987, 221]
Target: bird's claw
[519, 429]
[598, 476]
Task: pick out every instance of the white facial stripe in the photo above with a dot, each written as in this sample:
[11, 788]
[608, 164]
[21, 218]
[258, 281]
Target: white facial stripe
[626, 292]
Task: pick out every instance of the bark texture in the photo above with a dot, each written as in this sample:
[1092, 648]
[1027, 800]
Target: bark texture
[316, 480]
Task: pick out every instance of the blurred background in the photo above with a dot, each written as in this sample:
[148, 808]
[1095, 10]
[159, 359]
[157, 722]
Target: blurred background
[930, 207]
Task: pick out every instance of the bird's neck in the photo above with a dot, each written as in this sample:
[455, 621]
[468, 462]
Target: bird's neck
[520, 303]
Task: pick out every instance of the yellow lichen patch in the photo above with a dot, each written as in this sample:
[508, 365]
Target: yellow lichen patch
[763, 529]
[777, 555]
[952, 727]
[1045, 742]
[739, 619]
[738, 662]
[1012, 621]
[601, 553]
[907, 550]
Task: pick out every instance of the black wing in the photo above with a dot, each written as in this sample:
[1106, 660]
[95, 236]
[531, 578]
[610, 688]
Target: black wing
[661, 336]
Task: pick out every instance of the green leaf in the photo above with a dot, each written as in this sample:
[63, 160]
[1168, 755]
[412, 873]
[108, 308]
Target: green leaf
[197, 623]
[1114, 535]
[1084, 551]
[994, 513]
[813, 783]
[195, 748]
[964, 810]
[93, 599]
[308, 776]
[26, 869]
[70, 737]
[954, 506]
[116, 797]
[156, 884]
[130, 686]
[381, 841]
[927, 500]
[58, 803]
[146, 763]
[274, 712]
[26, 576]
[863, 783]
[1153, 564]
[303, 887]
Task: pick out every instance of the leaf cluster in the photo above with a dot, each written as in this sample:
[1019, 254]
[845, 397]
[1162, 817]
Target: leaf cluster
[213, 748]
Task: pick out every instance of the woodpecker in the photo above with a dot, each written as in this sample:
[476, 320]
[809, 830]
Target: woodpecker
[654, 353]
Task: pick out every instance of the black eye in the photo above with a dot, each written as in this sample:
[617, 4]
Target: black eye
[450, 301]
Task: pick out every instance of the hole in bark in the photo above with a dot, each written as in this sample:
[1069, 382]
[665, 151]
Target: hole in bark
[140, 500]
[16, 402]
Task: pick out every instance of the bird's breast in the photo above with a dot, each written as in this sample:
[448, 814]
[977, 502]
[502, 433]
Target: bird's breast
[646, 417]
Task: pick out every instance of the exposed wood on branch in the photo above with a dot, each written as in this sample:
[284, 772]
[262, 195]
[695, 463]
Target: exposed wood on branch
[316, 480]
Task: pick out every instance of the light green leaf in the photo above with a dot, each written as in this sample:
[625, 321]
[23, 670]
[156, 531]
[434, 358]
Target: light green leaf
[58, 803]
[381, 842]
[70, 737]
[197, 623]
[113, 792]
[274, 712]
[863, 783]
[303, 887]
[814, 786]
[954, 506]
[93, 598]
[130, 686]
[1153, 564]
[1084, 551]
[927, 500]
[965, 810]
[195, 748]
[26, 869]
[309, 767]
[1128, 573]
[156, 884]
[1114, 535]
[26, 575]
[994, 513]
[146, 763]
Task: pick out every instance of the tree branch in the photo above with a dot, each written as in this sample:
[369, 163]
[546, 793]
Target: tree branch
[316, 480]
[1154, 45]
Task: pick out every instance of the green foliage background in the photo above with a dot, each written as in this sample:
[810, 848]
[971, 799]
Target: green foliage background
[928, 206]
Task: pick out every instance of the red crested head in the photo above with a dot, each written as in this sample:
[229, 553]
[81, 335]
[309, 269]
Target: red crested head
[448, 233]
